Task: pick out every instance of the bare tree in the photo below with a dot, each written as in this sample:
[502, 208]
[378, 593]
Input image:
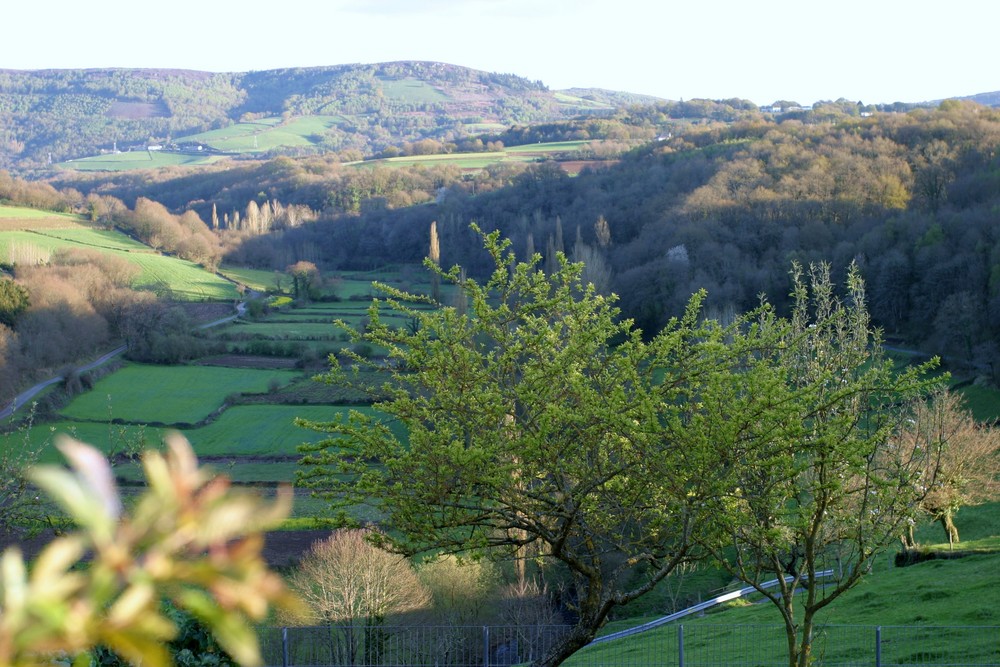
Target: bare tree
[354, 586]
[967, 472]
[345, 578]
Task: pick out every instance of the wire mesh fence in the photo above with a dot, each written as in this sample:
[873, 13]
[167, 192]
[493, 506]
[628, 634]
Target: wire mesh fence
[692, 645]
[350, 645]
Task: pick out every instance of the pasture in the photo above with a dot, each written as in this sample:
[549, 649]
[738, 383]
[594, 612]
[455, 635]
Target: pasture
[139, 160]
[14, 216]
[265, 134]
[251, 431]
[580, 102]
[32, 238]
[285, 329]
[931, 593]
[411, 91]
[100, 432]
[477, 161]
[169, 395]
[259, 280]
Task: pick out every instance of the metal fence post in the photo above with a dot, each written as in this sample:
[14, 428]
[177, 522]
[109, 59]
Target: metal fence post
[878, 646]
[486, 646]
[680, 645]
[284, 647]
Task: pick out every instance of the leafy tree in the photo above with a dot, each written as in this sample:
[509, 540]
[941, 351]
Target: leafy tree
[464, 592]
[540, 425]
[832, 485]
[190, 539]
[305, 279]
[20, 510]
[193, 646]
[13, 301]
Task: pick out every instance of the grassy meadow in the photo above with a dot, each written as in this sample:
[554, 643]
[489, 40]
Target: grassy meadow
[266, 134]
[28, 237]
[258, 280]
[901, 601]
[19, 214]
[138, 160]
[478, 161]
[411, 91]
[169, 395]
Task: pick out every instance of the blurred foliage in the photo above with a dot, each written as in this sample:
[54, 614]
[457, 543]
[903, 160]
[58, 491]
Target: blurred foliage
[190, 539]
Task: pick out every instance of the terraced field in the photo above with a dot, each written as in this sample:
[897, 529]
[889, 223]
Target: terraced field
[237, 409]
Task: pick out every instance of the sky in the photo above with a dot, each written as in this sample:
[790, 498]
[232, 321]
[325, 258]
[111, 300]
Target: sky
[871, 51]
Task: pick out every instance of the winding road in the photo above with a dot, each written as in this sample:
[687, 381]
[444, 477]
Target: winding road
[25, 397]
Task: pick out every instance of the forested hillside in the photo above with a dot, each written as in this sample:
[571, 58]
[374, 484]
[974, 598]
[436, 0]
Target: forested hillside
[54, 115]
[911, 197]
[725, 204]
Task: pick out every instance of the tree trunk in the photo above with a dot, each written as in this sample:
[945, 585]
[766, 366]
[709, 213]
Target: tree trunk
[804, 657]
[577, 638]
[907, 538]
[949, 527]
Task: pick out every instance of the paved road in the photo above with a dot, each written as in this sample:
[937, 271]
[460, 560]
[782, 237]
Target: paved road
[25, 397]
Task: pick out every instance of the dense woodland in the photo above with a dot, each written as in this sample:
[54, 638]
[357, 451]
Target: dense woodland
[725, 205]
[52, 115]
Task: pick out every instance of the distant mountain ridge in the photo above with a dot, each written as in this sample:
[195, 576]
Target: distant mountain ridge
[47, 116]
[986, 99]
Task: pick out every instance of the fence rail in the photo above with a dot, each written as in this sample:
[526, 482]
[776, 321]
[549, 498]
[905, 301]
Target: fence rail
[692, 645]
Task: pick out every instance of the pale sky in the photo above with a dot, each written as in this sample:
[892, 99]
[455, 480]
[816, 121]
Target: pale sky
[802, 50]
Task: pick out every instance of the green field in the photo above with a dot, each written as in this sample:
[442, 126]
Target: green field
[284, 330]
[262, 430]
[476, 161]
[265, 135]
[104, 435]
[579, 102]
[179, 278]
[138, 160]
[104, 239]
[22, 213]
[230, 132]
[258, 280]
[411, 91]
[145, 394]
[983, 402]
[550, 147]
[932, 593]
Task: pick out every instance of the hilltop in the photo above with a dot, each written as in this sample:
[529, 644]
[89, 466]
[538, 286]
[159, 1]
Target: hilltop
[48, 116]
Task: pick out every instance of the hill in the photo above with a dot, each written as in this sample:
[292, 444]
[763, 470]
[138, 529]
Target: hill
[49, 116]
[80, 289]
